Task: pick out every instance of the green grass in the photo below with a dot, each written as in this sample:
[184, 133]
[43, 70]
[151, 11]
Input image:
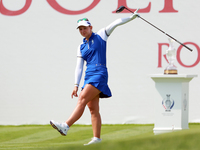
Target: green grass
[115, 137]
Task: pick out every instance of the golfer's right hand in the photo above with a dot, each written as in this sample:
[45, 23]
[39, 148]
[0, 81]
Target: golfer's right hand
[74, 92]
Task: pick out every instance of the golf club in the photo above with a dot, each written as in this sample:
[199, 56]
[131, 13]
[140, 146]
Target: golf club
[121, 8]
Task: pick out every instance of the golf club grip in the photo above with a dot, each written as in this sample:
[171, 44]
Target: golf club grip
[186, 47]
[179, 42]
[166, 34]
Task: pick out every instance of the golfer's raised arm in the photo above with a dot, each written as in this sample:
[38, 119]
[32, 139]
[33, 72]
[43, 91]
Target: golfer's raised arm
[118, 22]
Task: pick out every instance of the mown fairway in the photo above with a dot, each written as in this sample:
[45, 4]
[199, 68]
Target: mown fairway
[116, 137]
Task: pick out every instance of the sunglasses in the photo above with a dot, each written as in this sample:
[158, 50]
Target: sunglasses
[84, 19]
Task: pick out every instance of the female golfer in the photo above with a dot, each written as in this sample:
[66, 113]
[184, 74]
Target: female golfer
[93, 51]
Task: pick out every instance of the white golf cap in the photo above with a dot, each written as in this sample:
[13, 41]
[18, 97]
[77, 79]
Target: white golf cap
[83, 22]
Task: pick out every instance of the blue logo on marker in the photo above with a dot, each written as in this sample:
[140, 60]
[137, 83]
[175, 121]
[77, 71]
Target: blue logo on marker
[168, 103]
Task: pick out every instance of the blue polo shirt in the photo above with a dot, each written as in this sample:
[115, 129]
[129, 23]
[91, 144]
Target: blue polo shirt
[94, 53]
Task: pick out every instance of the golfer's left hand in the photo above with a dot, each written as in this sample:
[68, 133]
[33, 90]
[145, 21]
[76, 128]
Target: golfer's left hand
[135, 14]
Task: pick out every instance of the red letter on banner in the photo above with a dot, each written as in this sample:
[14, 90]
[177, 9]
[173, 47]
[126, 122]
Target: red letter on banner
[60, 9]
[179, 51]
[7, 12]
[168, 7]
[123, 3]
[160, 54]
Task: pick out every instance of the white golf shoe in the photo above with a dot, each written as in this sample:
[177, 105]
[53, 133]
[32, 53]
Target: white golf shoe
[61, 127]
[94, 141]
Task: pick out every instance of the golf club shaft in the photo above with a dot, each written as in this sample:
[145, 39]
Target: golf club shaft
[162, 31]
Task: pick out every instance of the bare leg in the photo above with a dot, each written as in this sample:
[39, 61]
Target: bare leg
[93, 105]
[87, 94]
